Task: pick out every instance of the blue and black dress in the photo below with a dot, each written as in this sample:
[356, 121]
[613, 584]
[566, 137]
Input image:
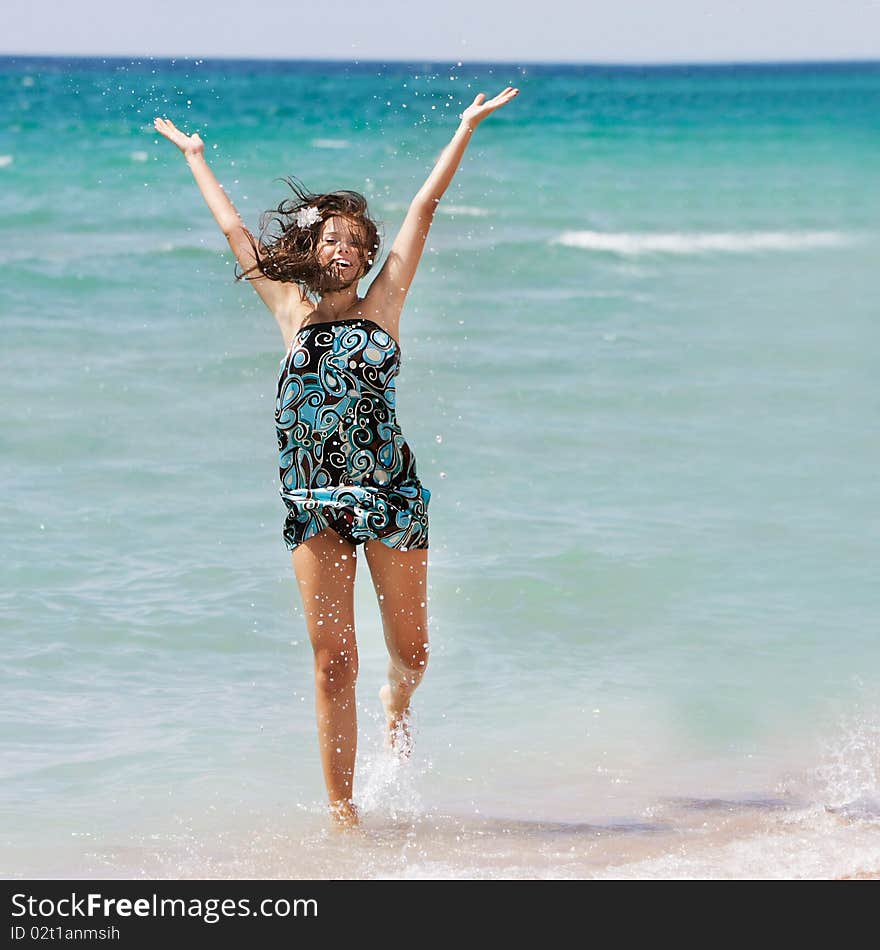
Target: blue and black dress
[344, 462]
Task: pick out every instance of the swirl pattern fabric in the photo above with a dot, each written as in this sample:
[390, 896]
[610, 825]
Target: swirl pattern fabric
[344, 462]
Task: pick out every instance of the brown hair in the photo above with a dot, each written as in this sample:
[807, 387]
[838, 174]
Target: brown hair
[291, 253]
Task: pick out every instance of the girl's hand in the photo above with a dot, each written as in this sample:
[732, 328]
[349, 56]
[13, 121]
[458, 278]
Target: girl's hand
[478, 109]
[188, 144]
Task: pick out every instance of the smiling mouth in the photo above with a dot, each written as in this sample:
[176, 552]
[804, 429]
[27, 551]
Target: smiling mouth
[342, 267]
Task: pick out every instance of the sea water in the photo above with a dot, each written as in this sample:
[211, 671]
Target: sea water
[639, 376]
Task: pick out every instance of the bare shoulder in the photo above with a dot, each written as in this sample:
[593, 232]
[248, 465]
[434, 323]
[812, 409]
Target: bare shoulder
[375, 307]
[293, 314]
[285, 299]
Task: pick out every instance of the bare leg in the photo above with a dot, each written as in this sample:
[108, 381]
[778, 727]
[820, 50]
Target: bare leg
[325, 570]
[400, 580]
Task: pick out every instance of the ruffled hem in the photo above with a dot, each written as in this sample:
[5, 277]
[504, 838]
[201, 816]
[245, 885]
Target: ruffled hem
[397, 516]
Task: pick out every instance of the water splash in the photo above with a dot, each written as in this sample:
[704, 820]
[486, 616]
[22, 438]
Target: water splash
[388, 781]
[847, 780]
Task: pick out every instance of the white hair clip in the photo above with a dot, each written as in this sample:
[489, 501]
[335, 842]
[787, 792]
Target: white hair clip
[307, 216]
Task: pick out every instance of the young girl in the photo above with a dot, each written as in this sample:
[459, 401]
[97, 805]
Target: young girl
[345, 465]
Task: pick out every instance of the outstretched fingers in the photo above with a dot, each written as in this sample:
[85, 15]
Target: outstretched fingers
[167, 128]
[480, 108]
[186, 143]
[504, 96]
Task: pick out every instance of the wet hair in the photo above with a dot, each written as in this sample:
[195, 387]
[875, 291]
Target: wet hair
[291, 252]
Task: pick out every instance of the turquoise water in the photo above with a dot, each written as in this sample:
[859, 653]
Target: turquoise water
[639, 378]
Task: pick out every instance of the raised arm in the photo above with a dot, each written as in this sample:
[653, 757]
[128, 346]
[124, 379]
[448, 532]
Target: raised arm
[285, 300]
[388, 291]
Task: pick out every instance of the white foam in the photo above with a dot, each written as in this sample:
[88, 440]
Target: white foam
[139, 156]
[330, 143]
[635, 243]
[5, 160]
[472, 210]
[172, 247]
[811, 845]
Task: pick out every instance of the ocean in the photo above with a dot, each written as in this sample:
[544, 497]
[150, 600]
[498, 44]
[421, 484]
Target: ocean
[639, 377]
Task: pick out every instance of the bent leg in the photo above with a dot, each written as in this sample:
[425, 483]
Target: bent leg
[401, 582]
[325, 568]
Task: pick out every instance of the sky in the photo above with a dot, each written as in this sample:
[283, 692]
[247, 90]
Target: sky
[585, 31]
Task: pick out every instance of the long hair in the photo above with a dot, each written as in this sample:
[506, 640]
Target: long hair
[290, 253]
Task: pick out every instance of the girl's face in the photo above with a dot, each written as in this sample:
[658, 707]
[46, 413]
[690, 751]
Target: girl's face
[340, 250]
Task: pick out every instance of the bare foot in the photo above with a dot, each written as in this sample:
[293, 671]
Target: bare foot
[397, 737]
[344, 814]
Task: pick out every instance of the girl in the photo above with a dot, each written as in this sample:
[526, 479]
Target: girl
[345, 465]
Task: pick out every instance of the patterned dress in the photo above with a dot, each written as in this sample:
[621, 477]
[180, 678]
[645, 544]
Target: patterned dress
[344, 462]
